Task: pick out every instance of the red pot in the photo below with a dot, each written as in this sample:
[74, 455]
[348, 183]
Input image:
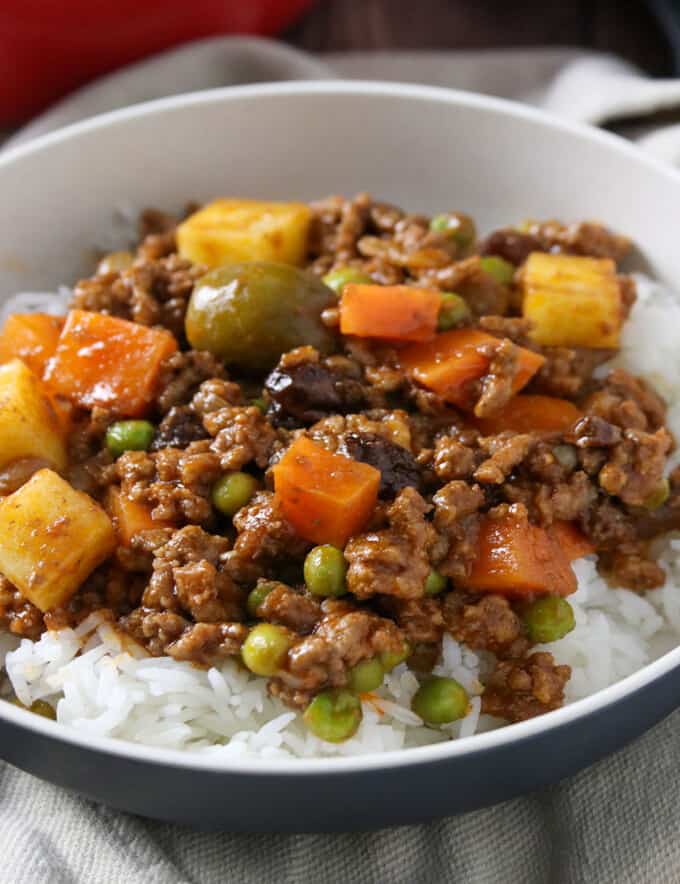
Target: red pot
[49, 47]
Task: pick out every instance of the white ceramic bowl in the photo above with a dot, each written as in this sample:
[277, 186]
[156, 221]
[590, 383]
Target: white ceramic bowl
[426, 149]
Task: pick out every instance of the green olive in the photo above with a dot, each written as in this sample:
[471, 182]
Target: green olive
[453, 310]
[548, 619]
[435, 583]
[249, 314]
[501, 270]
[334, 715]
[233, 491]
[129, 436]
[325, 570]
[257, 596]
[366, 676]
[440, 701]
[391, 659]
[265, 650]
[338, 279]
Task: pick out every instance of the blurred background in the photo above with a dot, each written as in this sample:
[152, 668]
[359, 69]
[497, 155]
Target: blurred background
[50, 47]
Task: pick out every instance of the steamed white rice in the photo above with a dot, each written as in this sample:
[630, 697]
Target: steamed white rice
[103, 687]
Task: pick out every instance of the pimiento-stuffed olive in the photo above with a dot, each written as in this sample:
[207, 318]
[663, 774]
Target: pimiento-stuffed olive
[249, 314]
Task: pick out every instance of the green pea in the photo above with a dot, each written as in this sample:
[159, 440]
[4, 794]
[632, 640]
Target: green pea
[366, 675]
[38, 707]
[459, 227]
[257, 596]
[325, 570]
[548, 619]
[338, 279]
[129, 436]
[265, 650]
[566, 456]
[659, 496]
[334, 715]
[440, 701]
[260, 403]
[501, 270]
[435, 583]
[233, 491]
[453, 310]
[391, 659]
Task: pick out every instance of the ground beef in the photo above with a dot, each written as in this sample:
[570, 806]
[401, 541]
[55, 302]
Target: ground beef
[17, 614]
[298, 611]
[497, 383]
[636, 465]
[322, 659]
[151, 292]
[456, 522]
[394, 426]
[627, 402]
[566, 372]
[583, 238]
[482, 292]
[264, 536]
[520, 689]
[188, 577]
[179, 428]
[241, 434]
[398, 468]
[214, 394]
[486, 623]
[175, 483]
[630, 566]
[164, 632]
[182, 374]
[393, 561]
[420, 619]
[506, 452]
[453, 459]
[303, 390]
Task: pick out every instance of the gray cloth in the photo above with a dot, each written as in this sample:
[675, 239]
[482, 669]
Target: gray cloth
[616, 822]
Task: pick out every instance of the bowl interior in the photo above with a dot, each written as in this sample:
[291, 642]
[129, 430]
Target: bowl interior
[74, 192]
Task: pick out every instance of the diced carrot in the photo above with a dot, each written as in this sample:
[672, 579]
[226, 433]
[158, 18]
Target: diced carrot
[390, 312]
[531, 414]
[516, 558]
[129, 516]
[110, 362]
[450, 363]
[31, 337]
[572, 541]
[325, 496]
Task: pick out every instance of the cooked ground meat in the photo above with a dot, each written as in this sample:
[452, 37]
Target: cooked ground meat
[393, 561]
[520, 689]
[298, 611]
[188, 576]
[180, 583]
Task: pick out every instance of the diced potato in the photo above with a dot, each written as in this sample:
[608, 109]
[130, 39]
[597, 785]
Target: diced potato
[228, 231]
[28, 424]
[572, 301]
[51, 538]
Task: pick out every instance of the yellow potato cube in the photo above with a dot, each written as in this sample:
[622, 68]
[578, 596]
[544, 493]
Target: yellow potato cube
[572, 301]
[228, 231]
[51, 538]
[28, 423]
